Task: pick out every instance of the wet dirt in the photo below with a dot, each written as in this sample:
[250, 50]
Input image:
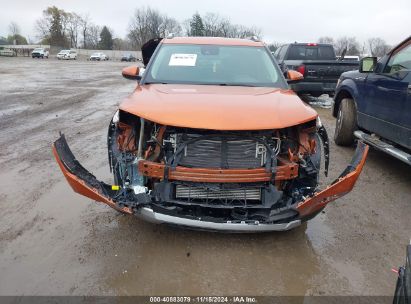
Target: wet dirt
[55, 242]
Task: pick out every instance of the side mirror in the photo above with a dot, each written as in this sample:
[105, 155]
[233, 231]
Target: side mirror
[368, 64]
[294, 76]
[132, 73]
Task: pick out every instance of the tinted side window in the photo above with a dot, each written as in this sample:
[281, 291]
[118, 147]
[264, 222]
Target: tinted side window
[326, 53]
[400, 61]
[305, 52]
[302, 52]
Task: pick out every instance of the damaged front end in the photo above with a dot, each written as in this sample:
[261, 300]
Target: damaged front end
[234, 181]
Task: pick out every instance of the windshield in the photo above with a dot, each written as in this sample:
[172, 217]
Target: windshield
[64, 51]
[95, 54]
[214, 64]
[38, 49]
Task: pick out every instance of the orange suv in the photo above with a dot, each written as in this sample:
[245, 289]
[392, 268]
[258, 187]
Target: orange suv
[213, 138]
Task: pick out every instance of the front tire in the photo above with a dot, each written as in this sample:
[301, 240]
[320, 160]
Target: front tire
[346, 123]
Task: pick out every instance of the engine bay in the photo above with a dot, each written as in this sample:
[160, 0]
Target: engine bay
[256, 175]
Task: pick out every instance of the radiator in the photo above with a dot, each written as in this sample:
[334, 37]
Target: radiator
[223, 152]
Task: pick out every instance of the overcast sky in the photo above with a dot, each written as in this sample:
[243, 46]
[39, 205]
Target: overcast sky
[282, 21]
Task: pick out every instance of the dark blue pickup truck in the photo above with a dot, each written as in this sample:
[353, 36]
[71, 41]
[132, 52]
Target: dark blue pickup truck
[374, 103]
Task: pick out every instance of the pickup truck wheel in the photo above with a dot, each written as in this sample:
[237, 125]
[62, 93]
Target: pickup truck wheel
[346, 123]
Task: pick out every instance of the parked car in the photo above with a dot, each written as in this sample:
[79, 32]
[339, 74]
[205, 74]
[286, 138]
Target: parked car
[98, 56]
[7, 52]
[318, 64]
[210, 141]
[40, 53]
[128, 57]
[402, 293]
[374, 103]
[67, 55]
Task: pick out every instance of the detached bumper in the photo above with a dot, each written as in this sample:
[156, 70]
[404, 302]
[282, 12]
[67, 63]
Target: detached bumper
[84, 183]
[339, 187]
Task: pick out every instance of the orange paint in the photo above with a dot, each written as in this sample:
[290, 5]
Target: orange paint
[294, 75]
[331, 193]
[218, 107]
[130, 72]
[82, 188]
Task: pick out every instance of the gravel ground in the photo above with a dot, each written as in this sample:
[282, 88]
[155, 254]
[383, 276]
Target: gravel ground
[55, 242]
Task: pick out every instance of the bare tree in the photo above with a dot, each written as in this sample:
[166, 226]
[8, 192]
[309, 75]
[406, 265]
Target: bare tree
[74, 22]
[215, 25]
[42, 28]
[148, 23]
[139, 29]
[84, 28]
[273, 46]
[219, 26]
[14, 29]
[168, 26]
[186, 27]
[349, 43]
[93, 36]
[326, 39]
[377, 46]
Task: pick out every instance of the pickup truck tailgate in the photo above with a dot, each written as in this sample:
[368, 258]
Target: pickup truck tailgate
[325, 71]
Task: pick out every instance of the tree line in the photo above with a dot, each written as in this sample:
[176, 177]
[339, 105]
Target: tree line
[72, 30]
[374, 46]
[58, 27]
[148, 23]
[69, 29]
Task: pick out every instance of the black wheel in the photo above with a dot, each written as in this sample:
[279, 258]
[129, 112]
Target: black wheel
[346, 123]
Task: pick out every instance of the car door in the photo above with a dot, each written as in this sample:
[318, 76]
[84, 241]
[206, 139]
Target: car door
[387, 98]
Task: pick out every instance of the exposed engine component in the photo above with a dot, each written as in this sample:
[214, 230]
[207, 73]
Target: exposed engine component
[222, 150]
[208, 193]
[205, 150]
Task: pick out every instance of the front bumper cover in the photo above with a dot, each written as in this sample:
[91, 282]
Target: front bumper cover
[85, 183]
